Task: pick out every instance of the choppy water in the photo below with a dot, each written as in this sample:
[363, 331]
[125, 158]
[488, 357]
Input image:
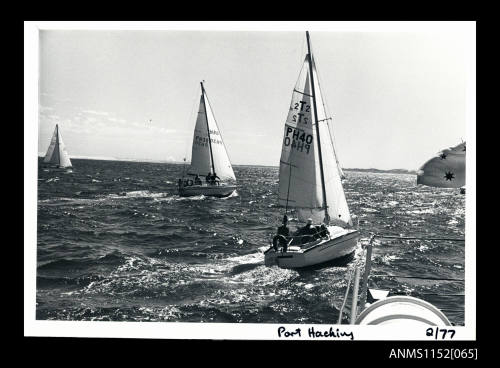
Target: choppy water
[115, 242]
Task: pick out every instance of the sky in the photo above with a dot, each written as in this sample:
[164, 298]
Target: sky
[396, 97]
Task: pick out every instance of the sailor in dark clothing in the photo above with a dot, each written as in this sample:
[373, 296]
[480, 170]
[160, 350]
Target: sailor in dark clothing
[283, 235]
[323, 232]
[215, 179]
[197, 180]
[307, 232]
[283, 229]
[208, 178]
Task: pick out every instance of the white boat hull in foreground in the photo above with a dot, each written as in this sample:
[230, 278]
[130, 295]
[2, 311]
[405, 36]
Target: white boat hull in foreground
[207, 190]
[340, 243]
[403, 311]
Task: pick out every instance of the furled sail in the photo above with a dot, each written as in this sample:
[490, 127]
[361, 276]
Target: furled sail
[209, 153]
[56, 153]
[446, 170]
[300, 181]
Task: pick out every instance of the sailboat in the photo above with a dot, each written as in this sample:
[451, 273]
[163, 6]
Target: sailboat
[56, 155]
[310, 181]
[210, 172]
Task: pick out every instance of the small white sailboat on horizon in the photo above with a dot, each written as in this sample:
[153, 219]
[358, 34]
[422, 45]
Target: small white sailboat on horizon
[57, 156]
[210, 172]
[310, 181]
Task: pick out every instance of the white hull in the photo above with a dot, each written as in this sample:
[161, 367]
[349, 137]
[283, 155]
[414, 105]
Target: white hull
[403, 311]
[341, 243]
[207, 190]
[56, 167]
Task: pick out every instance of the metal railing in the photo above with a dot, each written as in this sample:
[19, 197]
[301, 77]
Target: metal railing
[368, 262]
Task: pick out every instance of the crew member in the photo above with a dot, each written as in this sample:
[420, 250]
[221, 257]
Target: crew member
[307, 232]
[283, 235]
[215, 179]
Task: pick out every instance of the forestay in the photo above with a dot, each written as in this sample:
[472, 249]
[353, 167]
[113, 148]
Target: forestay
[204, 151]
[300, 183]
[56, 153]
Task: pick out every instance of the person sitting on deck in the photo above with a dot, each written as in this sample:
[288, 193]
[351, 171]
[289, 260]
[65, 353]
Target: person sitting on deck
[197, 180]
[307, 232]
[215, 179]
[208, 178]
[283, 235]
[321, 231]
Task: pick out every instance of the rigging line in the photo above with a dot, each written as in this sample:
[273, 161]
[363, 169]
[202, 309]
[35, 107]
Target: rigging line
[310, 59]
[57, 145]
[193, 107]
[341, 311]
[288, 191]
[330, 130]
[220, 133]
[300, 62]
[303, 49]
[327, 109]
[332, 140]
[203, 94]
[419, 277]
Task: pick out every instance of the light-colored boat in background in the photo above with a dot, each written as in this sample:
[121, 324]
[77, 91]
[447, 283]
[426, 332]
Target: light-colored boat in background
[209, 156]
[57, 156]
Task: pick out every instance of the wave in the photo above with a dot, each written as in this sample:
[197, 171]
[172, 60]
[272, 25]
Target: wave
[137, 194]
[67, 263]
[58, 281]
[200, 258]
[232, 195]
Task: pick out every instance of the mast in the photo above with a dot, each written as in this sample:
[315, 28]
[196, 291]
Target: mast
[309, 56]
[57, 145]
[208, 129]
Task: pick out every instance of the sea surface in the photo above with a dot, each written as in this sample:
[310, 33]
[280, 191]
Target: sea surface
[116, 243]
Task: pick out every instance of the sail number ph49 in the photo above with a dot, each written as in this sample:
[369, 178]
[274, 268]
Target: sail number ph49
[297, 139]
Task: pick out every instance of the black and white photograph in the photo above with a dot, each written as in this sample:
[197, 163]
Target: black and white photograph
[250, 180]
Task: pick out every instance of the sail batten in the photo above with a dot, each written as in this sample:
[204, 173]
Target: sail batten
[209, 154]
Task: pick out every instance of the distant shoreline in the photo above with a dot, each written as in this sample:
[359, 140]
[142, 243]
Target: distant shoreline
[392, 171]
[371, 170]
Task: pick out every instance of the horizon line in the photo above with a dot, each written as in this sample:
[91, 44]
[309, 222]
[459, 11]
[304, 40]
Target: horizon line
[146, 160]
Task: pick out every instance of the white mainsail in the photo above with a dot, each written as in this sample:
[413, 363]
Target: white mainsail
[208, 152]
[300, 178]
[56, 153]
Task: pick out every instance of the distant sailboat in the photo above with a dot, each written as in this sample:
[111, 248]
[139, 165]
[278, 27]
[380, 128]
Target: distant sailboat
[310, 181]
[210, 173]
[57, 156]
[445, 170]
